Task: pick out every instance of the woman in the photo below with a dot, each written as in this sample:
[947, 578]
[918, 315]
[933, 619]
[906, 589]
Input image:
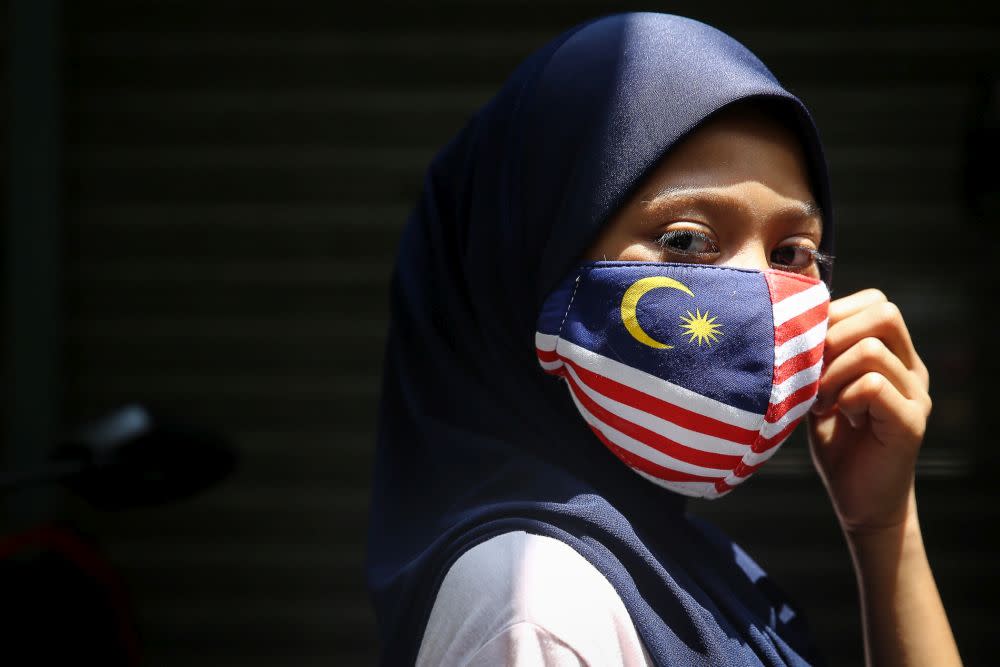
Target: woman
[645, 204]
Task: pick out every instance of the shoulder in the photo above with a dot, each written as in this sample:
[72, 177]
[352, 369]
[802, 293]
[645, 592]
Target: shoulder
[520, 598]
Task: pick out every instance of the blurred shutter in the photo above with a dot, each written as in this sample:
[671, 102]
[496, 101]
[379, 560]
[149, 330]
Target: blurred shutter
[238, 176]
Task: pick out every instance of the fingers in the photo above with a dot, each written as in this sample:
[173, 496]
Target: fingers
[893, 416]
[873, 317]
[867, 355]
[854, 303]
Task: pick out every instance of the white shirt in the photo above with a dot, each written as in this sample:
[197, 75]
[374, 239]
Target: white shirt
[524, 599]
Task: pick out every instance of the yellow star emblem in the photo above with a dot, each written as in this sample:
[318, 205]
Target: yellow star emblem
[700, 327]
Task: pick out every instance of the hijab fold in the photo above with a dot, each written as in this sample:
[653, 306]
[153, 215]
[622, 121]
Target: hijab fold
[474, 440]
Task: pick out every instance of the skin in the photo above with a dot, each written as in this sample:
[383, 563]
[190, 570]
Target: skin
[736, 192]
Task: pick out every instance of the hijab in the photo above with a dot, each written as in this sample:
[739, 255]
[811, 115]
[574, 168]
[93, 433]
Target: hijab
[474, 440]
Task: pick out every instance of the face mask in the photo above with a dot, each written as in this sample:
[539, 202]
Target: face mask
[691, 374]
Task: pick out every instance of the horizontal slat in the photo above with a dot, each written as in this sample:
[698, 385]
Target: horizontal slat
[860, 176]
[510, 15]
[289, 388]
[180, 46]
[254, 409]
[233, 216]
[236, 193]
[157, 300]
[351, 625]
[273, 159]
[266, 158]
[315, 329]
[176, 61]
[246, 273]
[371, 118]
[322, 233]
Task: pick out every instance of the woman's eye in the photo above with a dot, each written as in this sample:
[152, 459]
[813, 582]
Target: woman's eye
[688, 241]
[793, 256]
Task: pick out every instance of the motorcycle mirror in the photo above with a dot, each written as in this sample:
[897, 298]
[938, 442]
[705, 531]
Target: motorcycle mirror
[132, 458]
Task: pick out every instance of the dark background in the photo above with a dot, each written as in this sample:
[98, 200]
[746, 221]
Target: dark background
[202, 201]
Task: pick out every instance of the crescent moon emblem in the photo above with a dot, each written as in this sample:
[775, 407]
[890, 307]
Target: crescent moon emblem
[631, 299]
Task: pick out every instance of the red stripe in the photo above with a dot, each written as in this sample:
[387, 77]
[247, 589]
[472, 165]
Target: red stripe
[800, 324]
[658, 471]
[662, 409]
[799, 362]
[767, 443]
[743, 470]
[777, 410]
[722, 487]
[547, 355]
[783, 285]
[660, 443]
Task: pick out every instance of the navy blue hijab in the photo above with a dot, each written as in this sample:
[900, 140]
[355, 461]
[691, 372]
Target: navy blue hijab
[474, 439]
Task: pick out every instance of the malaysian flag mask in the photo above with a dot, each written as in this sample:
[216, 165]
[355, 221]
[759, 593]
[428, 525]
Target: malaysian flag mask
[691, 374]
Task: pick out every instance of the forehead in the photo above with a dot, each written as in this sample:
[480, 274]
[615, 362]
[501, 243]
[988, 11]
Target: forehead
[740, 145]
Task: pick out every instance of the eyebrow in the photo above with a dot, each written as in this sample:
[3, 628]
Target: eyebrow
[804, 209]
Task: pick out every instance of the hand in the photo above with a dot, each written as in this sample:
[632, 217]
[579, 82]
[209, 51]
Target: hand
[869, 421]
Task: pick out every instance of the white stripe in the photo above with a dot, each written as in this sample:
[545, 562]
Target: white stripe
[550, 365]
[679, 434]
[660, 388]
[801, 343]
[641, 450]
[795, 305]
[769, 430]
[736, 480]
[546, 342]
[753, 458]
[694, 489]
[804, 377]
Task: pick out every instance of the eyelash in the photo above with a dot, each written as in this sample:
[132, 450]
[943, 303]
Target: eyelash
[821, 259]
[667, 236]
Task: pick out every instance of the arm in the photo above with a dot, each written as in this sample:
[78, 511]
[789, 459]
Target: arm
[523, 599]
[904, 620]
[865, 433]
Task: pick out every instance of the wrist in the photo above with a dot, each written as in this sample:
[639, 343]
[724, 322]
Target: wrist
[873, 546]
[901, 520]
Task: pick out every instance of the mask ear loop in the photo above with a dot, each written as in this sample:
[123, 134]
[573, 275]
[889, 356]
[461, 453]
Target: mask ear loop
[576, 286]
